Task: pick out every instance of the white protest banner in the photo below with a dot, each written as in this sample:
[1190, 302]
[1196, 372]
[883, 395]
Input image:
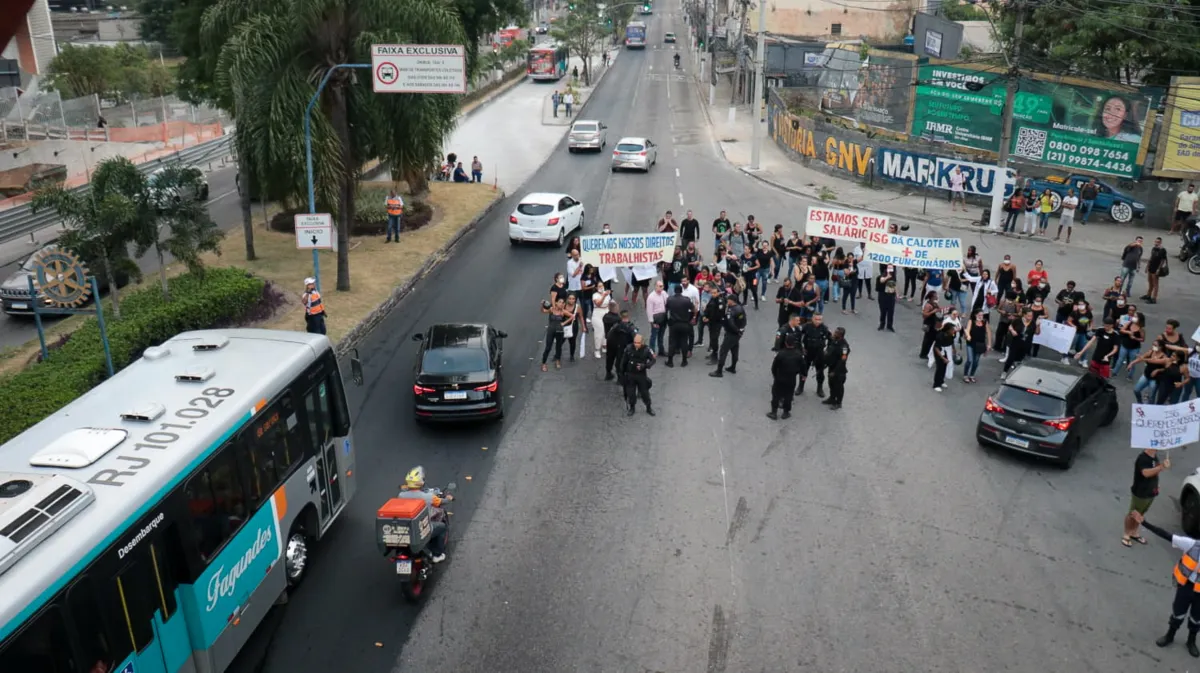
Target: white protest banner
[644, 272]
[626, 249]
[845, 225]
[1196, 335]
[1165, 427]
[1055, 336]
[917, 252]
[607, 273]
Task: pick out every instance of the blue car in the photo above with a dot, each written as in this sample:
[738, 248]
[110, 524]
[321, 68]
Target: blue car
[1120, 207]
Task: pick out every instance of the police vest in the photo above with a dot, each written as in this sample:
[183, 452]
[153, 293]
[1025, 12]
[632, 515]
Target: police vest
[1187, 566]
[394, 206]
[312, 303]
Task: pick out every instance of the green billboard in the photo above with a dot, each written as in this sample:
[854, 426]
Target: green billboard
[1071, 125]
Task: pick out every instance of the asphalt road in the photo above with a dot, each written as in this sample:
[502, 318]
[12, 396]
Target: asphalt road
[223, 206]
[708, 538]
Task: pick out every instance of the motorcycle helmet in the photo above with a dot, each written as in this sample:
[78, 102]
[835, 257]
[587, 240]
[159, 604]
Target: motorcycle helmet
[415, 479]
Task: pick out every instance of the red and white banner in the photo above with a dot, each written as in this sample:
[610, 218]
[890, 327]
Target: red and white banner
[846, 225]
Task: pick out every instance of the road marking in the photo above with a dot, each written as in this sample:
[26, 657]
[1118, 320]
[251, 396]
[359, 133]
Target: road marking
[676, 172]
[674, 152]
[681, 198]
[218, 198]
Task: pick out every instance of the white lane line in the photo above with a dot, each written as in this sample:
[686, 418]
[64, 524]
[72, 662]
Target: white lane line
[676, 172]
[218, 198]
[725, 493]
[675, 152]
[681, 198]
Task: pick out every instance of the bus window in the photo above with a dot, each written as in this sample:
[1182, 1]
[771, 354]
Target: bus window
[275, 445]
[90, 626]
[41, 646]
[137, 596]
[340, 417]
[216, 502]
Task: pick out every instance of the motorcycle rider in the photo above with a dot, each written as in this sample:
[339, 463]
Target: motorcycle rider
[677, 60]
[414, 487]
[816, 337]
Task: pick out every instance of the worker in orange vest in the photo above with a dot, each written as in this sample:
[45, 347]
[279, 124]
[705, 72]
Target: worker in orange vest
[314, 309]
[395, 208]
[1187, 590]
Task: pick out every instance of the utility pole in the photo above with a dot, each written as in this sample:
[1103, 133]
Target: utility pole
[760, 56]
[1014, 80]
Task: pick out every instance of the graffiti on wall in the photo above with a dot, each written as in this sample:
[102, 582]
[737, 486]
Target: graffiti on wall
[799, 135]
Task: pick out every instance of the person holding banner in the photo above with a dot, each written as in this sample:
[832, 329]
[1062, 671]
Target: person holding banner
[1020, 339]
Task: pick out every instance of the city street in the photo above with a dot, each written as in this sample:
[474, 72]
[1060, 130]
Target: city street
[876, 538]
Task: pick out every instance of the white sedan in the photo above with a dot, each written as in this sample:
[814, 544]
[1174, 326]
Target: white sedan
[1189, 504]
[545, 218]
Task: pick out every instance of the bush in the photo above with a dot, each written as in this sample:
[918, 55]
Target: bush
[371, 212]
[220, 296]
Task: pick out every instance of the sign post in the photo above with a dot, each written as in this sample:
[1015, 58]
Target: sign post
[60, 285]
[395, 68]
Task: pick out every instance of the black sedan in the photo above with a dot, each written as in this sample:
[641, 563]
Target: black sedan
[459, 373]
[1047, 409]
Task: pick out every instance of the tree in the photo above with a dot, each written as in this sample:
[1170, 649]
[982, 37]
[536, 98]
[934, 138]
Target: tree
[1125, 42]
[271, 54]
[480, 17]
[101, 223]
[156, 18]
[175, 220]
[116, 73]
[957, 10]
[580, 31]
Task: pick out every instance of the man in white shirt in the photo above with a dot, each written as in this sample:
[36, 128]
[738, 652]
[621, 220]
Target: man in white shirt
[569, 102]
[1185, 208]
[958, 183]
[691, 292]
[574, 275]
[1066, 217]
[656, 313]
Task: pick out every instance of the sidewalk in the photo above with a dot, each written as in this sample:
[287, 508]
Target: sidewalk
[581, 92]
[776, 168]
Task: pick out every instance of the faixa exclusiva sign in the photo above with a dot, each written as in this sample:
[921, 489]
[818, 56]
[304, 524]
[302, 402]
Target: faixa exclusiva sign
[798, 135]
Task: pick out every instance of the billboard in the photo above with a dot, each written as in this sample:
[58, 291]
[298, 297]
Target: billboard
[930, 170]
[1100, 129]
[1178, 153]
[872, 89]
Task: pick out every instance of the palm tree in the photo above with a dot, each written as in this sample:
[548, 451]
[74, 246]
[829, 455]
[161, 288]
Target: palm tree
[174, 209]
[273, 54]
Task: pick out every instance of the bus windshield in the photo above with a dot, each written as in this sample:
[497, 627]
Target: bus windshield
[635, 32]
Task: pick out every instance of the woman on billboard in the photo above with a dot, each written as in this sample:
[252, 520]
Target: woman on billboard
[1116, 119]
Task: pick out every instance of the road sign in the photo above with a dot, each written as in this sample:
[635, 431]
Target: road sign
[419, 68]
[314, 231]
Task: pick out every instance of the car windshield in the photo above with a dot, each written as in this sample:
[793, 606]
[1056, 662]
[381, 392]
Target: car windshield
[534, 209]
[440, 361]
[585, 128]
[670, 34]
[1026, 402]
[629, 147]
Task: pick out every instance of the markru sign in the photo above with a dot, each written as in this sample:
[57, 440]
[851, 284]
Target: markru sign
[929, 170]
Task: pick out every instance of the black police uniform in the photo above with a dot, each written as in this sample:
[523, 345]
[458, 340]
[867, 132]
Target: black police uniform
[814, 339]
[680, 311]
[714, 317]
[785, 368]
[836, 354]
[636, 362]
[782, 334]
[620, 336]
[735, 325]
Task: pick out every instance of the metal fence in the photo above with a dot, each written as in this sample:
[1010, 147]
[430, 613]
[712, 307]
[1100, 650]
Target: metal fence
[46, 114]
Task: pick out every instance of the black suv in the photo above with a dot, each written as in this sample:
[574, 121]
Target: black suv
[1047, 409]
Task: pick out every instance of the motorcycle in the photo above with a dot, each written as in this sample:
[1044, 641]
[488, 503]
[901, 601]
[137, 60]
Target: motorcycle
[1190, 250]
[677, 61]
[404, 527]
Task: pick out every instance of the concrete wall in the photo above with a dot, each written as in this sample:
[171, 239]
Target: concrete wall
[874, 19]
[846, 153]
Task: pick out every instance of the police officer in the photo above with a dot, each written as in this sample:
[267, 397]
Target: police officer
[314, 309]
[792, 328]
[619, 336]
[637, 361]
[836, 354]
[814, 336]
[785, 368]
[714, 316]
[1187, 591]
[734, 323]
[680, 312]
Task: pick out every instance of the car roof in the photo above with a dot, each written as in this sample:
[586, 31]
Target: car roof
[585, 121]
[1044, 376]
[457, 335]
[633, 139]
[543, 198]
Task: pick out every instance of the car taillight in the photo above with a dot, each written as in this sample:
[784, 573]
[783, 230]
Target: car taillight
[512, 219]
[1061, 424]
[489, 388]
[992, 407]
[422, 390]
[642, 153]
[616, 152]
[552, 221]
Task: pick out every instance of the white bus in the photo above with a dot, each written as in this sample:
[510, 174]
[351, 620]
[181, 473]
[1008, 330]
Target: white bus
[150, 524]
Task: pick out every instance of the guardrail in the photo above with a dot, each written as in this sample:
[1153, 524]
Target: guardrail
[22, 221]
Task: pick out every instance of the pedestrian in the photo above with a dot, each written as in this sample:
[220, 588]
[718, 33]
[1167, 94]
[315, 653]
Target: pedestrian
[1033, 204]
[568, 102]
[750, 267]
[638, 360]
[1065, 301]
[1014, 208]
[1131, 258]
[693, 294]
[885, 288]
[605, 315]
[764, 258]
[734, 324]
[1066, 217]
[956, 290]
[575, 326]
[1114, 299]
[836, 355]
[1133, 335]
[713, 319]
[1081, 319]
[667, 224]
[943, 349]
[931, 319]
[555, 101]
[476, 170]
[674, 271]
[814, 338]
[557, 316]
[786, 366]
[866, 271]
[680, 313]
[1155, 359]
[1171, 379]
[1146, 468]
[1009, 310]
[656, 313]
[1156, 267]
[979, 341]
[911, 273]
[720, 227]
[575, 73]
[986, 297]
[1185, 208]
[395, 208]
[1191, 387]
[619, 335]
[1187, 592]
[314, 309]
[1045, 207]
[689, 231]
[779, 253]
[1087, 199]
[1105, 344]
[850, 284]
[693, 259]
[1020, 340]
[793, 327]
[958, 183]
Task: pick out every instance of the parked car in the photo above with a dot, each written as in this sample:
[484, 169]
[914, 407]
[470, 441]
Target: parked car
[669, 38]
[543, 28]
[636, 153]
[1189, 504]
[459, 373]
[14, 291]
[545, 218]
[587, 134]
[1120, 207]
[1047, 409]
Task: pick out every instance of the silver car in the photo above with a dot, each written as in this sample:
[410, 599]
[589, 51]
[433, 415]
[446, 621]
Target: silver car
[587, 134]
[636, 153]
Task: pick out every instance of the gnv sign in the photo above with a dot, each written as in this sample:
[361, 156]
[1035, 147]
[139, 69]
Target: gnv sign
[935, 171]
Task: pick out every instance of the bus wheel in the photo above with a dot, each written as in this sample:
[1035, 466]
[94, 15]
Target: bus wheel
[296, 555]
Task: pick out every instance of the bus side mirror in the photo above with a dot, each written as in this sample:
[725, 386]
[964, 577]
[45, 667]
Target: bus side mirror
[356, 370]
[418, 337]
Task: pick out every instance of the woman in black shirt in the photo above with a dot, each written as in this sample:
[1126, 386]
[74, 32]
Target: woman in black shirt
[778, 250]
[979, 340]
[1170, 380]
[820, 272]
[589, 280]
[794, 247]
[931, 317]
[1038, 306]
[849, 283]
[750, 276]
[1020, 340]
[764, 257]
[559, 289]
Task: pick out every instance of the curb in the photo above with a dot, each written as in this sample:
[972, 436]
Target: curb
[360, 331]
